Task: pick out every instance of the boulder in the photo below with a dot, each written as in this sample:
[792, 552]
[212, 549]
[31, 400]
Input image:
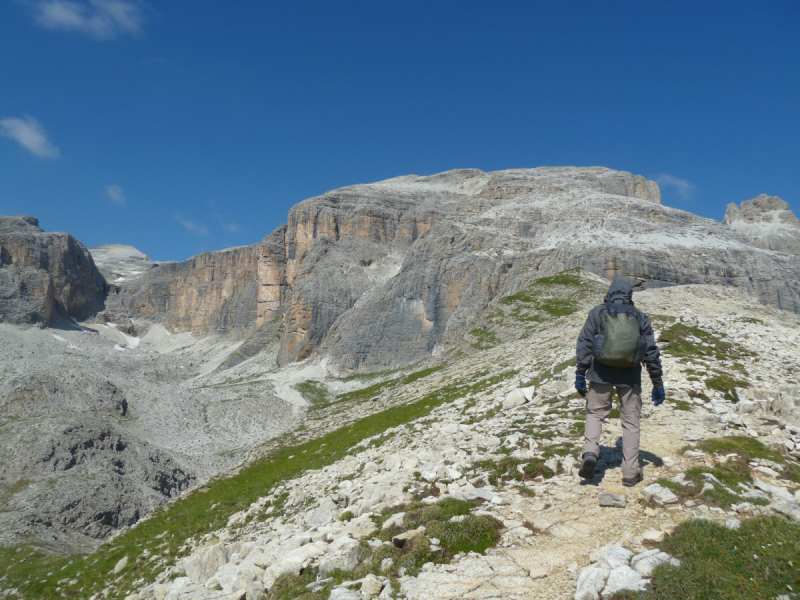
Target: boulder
[615, 500]
[344, 559]
[371, 585]
[204, 562]
[623, 578]
[591, 581]
[659, 494]
[514, 399]
[617, 556]
[644, 563]
[344, 594]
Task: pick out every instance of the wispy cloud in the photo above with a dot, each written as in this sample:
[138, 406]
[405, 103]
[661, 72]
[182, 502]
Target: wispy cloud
[193, 226]
[114, 193]
[100, 19]
[682, 187]
[228, 226]
[30, 134]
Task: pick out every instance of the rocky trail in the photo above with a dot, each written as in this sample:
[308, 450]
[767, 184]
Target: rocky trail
[508, 452]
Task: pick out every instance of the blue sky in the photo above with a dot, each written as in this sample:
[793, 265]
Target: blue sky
[179, 127]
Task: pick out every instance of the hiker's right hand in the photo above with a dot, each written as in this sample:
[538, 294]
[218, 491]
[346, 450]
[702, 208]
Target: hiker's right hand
[659, 395]
[580, 384]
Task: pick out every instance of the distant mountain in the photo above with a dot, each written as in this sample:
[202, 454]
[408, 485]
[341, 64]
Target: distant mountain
[380, 275]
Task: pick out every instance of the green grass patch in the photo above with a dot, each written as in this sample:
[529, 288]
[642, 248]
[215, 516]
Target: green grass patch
[485, 339]
[686, 341]
[290, 586]
[749, 448]
[420, 374]
[509, 468]
[758, 560]
[571, 277]
[525, 297]
[729, 474]
[698, 395]
[420, 514]
[473, 534]
[556, 307]
[376, 389]
[727, 385]
[313, 391]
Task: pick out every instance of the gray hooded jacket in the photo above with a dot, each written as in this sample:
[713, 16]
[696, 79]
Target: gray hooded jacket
[618, 292]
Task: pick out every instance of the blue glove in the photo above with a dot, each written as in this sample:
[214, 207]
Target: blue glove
[580, 384]
[659, 395]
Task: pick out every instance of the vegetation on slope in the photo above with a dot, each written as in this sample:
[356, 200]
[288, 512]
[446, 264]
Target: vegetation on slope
[38, 575]
[533, 307]
[761, 559]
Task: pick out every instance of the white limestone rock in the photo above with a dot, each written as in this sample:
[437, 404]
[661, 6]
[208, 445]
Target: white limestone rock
[617, 556]
[644, 563]
[344, 594]
[591, 581]
[371, 585]
[659, 494]
[121, 564]
[205, 561]
[623, 578]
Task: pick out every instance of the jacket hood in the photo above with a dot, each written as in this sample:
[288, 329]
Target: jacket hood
[620, 290]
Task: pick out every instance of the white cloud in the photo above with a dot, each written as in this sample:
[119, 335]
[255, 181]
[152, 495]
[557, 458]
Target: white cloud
[30, 134]
[683, 187]
[114, 193]
[100, 19]
[227, 226]
[192, 226]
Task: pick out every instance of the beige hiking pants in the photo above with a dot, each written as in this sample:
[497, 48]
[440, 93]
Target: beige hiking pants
[598, 406]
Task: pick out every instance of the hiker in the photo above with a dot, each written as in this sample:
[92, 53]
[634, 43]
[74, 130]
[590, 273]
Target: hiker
[614, 342]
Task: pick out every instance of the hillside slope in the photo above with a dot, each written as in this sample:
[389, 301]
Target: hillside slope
[493, 428]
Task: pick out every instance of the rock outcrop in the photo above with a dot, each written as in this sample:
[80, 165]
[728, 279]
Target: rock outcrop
[767, 222]
[381, 275]
[43, 275]
[118, 262]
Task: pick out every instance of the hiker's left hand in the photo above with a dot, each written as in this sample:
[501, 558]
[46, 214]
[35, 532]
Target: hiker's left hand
[580, 384]
[659, 395]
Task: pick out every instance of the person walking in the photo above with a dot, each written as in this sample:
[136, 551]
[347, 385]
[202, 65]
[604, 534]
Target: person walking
[614, 342]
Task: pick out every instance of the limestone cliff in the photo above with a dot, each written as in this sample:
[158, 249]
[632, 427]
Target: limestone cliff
[43, 274]
[767, 222]
[380, 275]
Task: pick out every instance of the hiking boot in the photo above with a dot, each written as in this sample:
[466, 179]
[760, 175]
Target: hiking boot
[587, 468]
[632, 481]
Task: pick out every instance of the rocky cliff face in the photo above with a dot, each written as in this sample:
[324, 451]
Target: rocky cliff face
[43, 274]
[380, 275]
[767, 222]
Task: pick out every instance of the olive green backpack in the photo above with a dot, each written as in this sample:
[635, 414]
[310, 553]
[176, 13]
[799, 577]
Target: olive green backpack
[620, 342]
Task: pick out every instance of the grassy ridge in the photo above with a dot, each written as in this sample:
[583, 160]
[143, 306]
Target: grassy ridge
[37, 575]
[377, 388]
